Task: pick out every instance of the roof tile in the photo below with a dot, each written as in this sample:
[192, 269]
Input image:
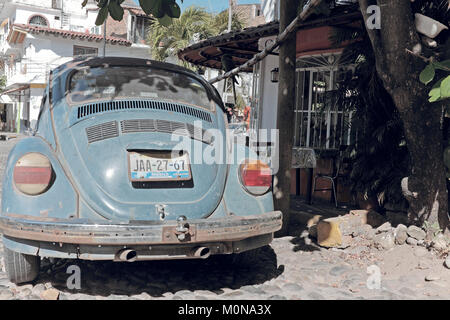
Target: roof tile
[73, 34]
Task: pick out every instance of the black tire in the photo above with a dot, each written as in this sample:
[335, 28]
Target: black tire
[21, 267]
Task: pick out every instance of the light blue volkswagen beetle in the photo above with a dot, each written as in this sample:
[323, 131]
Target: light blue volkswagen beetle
[117, 170]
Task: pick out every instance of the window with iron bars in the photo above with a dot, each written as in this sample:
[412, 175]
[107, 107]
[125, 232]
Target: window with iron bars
[139, 28]
[320, 122]
[79, 51]
[56, 4]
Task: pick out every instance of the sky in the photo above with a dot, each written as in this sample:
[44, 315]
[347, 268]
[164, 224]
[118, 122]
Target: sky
[211, 5]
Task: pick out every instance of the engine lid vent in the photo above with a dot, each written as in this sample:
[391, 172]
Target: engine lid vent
[93, 108]
[102, 131]
[164, 126]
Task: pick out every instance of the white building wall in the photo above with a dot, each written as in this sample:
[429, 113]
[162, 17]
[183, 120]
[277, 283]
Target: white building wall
[79, 19]
[52, 49]
[39, 53]
[23, 15]
[37, 3]
[268, 91]
[270, 10]
[35, 104]
[44, 54]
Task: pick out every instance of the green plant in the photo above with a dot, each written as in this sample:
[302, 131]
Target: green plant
[162, 10]
[220, 22]
[432, 228]
[2, 82]
[167, 40]
[194, 22]
[439, 92]
[437, 65]
[441, 89]
[240, 103]
[378, 156]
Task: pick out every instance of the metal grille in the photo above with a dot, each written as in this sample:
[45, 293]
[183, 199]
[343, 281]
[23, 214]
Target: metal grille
[89, 109]
[102, 131]
[320, 122]
[164, 126]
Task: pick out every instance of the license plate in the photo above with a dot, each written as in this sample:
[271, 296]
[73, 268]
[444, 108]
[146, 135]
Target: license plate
[149, 166]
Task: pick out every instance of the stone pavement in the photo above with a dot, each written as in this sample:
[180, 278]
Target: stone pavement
[292, 267]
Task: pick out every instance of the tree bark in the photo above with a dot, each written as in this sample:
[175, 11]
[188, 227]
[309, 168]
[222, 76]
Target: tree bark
[425, 188]
[285, 113]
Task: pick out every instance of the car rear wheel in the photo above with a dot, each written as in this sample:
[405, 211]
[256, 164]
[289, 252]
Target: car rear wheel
[21, 267]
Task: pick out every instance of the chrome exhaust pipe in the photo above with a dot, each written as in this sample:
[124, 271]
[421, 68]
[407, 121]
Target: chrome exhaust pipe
[201, 252]
[128, 255]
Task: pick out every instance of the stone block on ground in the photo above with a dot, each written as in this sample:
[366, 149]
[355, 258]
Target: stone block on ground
[416, 233]
[441, 242]
[328, 232]
[335, 232]
[401, 234]
[411, 241]
[50, 294]
[385, 227]
[447, 262]
[385, 240]
[369, 217]
[432, 277]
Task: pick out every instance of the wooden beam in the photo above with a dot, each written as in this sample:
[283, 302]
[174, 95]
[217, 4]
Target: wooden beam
[285, 114]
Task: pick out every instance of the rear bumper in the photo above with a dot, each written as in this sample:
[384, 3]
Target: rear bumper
[141, 232]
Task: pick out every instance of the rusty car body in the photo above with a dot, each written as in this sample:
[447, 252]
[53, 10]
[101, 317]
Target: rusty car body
[104, 178]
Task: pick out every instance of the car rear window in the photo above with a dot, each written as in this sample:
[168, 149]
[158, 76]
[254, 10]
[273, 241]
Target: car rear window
[93, 83]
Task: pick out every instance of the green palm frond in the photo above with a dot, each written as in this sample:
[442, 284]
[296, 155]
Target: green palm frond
[167, 40]
[194, 23]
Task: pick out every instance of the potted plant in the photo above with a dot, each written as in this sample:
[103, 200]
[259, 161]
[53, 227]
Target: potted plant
[428, 26]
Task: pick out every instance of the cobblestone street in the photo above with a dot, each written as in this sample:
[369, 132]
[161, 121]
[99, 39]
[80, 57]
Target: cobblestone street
[291, 268]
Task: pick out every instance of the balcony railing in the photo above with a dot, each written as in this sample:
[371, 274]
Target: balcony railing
[31, 71]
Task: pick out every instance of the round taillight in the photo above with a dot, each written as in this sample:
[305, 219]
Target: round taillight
[255, 176]
[33, 174]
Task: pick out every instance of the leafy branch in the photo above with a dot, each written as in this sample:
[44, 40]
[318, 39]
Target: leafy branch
[163, 10]
[441, 89]
[2, 82]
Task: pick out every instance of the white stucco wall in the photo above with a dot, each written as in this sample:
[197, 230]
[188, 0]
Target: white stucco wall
[48, 48]
[23, 14]
[35, 103]
[270, 9]
[39, 53]
[79, 19]
[268, 92]
[37, 3]
[44, 53]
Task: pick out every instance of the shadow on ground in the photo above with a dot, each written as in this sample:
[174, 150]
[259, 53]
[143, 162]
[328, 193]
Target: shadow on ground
[104, 278]
[301, 214]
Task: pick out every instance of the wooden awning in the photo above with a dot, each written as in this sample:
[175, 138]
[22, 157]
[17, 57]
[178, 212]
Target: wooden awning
[242, 45]
[15, 89]
[16, 35]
